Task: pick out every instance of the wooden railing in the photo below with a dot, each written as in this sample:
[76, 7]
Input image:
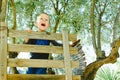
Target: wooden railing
[66, 50]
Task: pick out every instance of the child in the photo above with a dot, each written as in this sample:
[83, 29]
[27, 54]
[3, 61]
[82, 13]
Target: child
[42, 23]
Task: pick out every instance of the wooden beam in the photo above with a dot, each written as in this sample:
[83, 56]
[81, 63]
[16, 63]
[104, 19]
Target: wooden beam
[3, 25]
[39, 77]
[38, 49]
[39, 35]
[40, 63]
[3, 52]
[68, 70]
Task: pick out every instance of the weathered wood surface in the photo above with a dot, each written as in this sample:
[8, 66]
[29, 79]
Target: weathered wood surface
[40, 63]
[68, 69]
[37, 35]
[42, 49]
[3, 52]
[40, 77]
[3, 24]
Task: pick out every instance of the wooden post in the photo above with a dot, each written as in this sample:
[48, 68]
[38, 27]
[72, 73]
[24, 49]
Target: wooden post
[68, 70]
[3, 51]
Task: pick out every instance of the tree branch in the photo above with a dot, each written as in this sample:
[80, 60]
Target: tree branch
[91, 69]
[97, 9]
[3, 10]
[0, 5]
[54, 6]
[99, 27]
[116, 21]
[14, 14]
[92, 25]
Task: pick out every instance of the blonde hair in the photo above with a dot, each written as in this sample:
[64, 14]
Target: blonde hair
[38, 17]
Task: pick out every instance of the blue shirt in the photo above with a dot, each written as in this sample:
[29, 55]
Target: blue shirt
[42, 42]
[39, 42]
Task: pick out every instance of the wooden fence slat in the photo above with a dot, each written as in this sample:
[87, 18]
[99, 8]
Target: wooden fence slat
[40, 63]
[68, 70]
[37, 63]
[39, 77]
[36, 35]
[3, 52]
[42, 49]
[3, 24]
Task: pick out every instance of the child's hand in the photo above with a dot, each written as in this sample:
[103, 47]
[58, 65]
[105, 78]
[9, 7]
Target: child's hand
[29, 30]
[26, 39]
[74, 43]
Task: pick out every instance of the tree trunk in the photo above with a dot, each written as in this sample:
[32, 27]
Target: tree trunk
[91, 69]
[56, 25]
[92, 25]
[13, 70]
[116, 25]
[0, 5]
[3, 10]
[14, 15]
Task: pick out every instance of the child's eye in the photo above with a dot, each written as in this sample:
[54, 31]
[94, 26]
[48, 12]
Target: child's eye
[46, 19]
[41, 18]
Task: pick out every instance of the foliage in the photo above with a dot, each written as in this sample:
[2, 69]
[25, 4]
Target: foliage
[109, 72]
[107, 18]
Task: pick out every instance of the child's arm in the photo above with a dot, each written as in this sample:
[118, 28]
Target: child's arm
[58, 44]
[26, 40]
[75, 43]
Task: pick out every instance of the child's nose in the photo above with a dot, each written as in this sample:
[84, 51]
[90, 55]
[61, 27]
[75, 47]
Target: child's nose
[43, 19]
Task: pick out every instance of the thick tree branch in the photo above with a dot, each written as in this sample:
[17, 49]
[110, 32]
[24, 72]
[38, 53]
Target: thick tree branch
[13, 54]
[116, 21]
[59, 12]
[92, 24]
[91, 69]
[99, 27]
[14, 14]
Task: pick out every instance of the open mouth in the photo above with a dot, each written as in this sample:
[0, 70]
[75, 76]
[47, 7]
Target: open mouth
[43, 24]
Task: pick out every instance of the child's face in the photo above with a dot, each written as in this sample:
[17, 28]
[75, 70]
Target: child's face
[42, 22]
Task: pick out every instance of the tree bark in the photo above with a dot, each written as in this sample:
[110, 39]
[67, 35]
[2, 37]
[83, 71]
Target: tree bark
[0, 5]
[91, 69]
[14, 15]
[58, 12]
[116, 25]
[13, 70]
[56, 25]
[92, 25]
[3, 10]
[99, 52]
